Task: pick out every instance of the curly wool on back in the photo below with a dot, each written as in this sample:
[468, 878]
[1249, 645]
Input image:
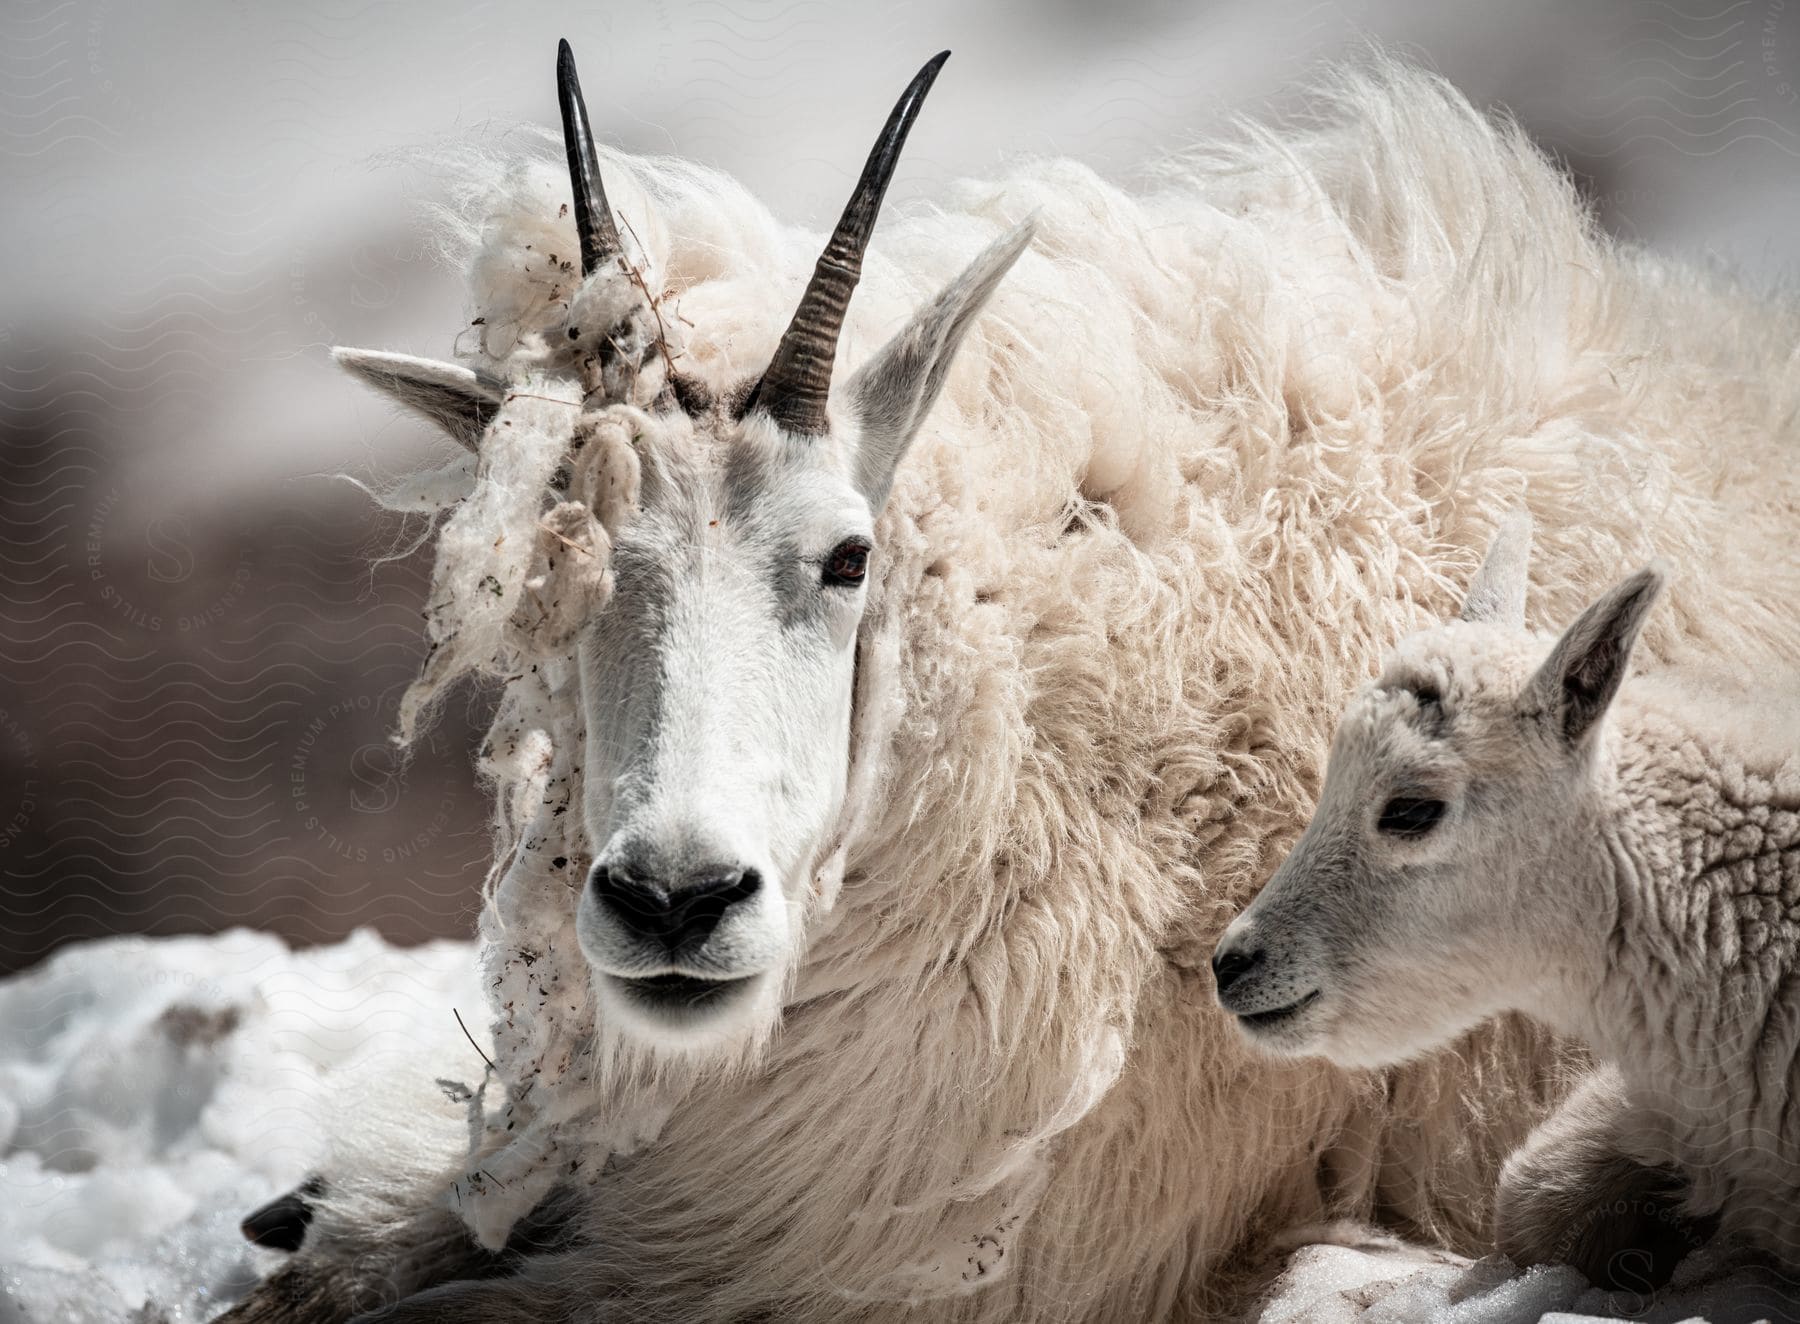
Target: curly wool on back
[1212, 447]
[1693, 1002]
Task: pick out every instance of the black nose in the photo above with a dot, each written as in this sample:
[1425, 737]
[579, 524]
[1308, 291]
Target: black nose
[1231, 964]
[679, 916]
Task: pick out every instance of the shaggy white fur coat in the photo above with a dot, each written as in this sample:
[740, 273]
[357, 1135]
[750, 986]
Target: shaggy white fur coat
[1216, 444]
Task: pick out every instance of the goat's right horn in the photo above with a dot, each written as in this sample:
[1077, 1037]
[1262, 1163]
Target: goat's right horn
[794, 388]
[593, 218]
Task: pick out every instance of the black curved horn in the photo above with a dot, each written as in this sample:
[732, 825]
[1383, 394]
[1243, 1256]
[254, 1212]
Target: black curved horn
[794, 388]
[593, 218]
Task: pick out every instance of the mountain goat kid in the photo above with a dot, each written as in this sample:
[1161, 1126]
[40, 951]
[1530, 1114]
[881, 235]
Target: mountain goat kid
[1488, 839]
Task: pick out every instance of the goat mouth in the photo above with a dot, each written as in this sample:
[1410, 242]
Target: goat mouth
[677, 992]
[1266, 1020]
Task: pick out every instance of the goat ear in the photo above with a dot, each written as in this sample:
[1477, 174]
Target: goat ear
[459, 400]
[1577, 682]
[1497, 593]
[891, 393]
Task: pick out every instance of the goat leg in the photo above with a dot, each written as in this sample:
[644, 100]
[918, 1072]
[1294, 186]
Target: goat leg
[493, 1301]
[1571, 1194]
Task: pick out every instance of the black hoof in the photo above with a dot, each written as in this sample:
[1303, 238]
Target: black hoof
[1647, 1234]
[281, 1224]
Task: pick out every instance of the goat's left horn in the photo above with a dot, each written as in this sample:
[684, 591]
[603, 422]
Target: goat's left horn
[794, 389]
[593, 218]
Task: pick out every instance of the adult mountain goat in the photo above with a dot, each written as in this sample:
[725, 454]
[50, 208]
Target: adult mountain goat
[879, 755]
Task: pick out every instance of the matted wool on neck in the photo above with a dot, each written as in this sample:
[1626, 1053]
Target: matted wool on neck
[522, 561]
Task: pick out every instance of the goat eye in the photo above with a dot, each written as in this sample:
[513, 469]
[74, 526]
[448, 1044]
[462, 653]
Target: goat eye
[848, 562]
[1406, 817]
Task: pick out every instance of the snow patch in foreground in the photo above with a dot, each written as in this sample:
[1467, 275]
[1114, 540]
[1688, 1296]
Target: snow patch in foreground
[1354, 1275]
[154, 1091]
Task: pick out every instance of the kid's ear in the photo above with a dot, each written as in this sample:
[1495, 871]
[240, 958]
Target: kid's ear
[460, 401]
[1497, 593]
[1578, 680]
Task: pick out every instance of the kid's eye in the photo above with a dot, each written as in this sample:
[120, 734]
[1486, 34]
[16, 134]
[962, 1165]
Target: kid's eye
[1406, 817]
[848, 562]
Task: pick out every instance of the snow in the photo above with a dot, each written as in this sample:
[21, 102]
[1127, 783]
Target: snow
[1362, 1276]
[154, 1091]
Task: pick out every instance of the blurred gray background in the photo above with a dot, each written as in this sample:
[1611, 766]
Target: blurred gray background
[201, 645]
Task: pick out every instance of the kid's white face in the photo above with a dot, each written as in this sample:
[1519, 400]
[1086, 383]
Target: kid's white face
[1430, 889]
[1411, 908]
